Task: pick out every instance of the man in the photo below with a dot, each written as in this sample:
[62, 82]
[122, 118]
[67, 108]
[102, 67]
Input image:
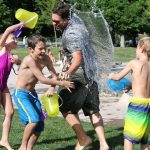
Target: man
[75, 40]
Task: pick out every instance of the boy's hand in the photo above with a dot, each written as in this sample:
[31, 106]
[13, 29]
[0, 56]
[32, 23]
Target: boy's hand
[68, 84]
[50, 91]
[129, 87]
[110, 75]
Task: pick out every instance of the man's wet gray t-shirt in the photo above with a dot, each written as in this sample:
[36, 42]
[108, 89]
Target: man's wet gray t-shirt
[75, 37]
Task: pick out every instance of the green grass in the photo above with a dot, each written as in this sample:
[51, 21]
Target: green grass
[59, 136]
[124, 54]
[21, 52]
[121, 54]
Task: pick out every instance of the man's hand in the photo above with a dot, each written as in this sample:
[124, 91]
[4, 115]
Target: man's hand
[64, 75]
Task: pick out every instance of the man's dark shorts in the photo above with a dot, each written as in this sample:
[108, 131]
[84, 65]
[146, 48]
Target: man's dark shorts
[82, 97]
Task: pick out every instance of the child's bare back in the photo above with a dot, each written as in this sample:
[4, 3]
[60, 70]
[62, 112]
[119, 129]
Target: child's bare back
[137, 116]
[141, 78]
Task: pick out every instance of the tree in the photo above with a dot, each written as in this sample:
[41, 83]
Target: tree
[4, 15]
[125, 17]
[44, 9]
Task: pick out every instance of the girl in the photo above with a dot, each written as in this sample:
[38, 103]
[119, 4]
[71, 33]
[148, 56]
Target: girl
[8, 42]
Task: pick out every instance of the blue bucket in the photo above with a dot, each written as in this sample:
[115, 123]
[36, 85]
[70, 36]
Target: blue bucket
[118, 85]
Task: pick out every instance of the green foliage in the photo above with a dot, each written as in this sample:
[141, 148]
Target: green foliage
[125, 17]
[44, 9]
[124, 54]
[21, 52]
[4, 15]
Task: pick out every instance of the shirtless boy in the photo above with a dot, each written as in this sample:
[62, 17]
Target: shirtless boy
[137, 120]
[25, 97]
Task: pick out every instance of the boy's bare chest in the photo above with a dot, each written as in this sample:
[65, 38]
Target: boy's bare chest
[41, 64]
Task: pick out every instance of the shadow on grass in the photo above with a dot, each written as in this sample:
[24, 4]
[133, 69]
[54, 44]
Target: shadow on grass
[114, 138]
[50, 141]
[113, 135]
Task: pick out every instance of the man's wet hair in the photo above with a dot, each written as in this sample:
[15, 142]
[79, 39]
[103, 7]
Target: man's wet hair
[64, 11]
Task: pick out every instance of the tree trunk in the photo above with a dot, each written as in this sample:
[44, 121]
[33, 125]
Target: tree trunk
[122, 41]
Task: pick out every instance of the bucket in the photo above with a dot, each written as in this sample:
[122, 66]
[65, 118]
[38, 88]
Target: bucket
[51, 104]
[30, 18]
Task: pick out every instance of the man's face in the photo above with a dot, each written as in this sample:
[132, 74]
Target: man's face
[58, 22]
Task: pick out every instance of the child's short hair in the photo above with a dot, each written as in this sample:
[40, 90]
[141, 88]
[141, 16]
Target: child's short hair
[34, 39]
[145, 42]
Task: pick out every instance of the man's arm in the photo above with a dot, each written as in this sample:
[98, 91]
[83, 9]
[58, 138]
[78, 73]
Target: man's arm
[76, 62]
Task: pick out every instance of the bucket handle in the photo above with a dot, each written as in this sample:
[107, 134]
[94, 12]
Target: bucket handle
[61, 100]
[30, 19]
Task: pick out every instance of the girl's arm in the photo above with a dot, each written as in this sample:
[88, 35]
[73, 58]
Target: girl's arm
[9, 30]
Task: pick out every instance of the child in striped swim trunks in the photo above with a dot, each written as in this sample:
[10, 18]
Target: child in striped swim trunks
[137, 120]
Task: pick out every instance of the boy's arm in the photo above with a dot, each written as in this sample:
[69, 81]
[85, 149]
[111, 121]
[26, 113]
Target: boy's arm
[7, 32]
[39, 75]
[123, 73]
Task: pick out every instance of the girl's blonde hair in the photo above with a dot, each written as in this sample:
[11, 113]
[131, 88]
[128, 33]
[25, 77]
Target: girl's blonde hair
[145, 43]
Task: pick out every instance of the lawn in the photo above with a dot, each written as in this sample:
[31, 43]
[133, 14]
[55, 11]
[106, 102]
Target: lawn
[22, 52]
[59, 136]
[121, 54]
[124, 54]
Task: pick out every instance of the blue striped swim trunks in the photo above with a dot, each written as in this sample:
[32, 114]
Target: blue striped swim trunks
[29, 108]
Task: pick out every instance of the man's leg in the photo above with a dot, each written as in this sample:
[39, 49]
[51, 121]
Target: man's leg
[29, 129]
[97, 123]
[82, 139]
[128, 145]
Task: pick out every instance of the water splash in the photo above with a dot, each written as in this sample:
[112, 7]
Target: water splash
[103, 49]
[55, 34]
[94, 4]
